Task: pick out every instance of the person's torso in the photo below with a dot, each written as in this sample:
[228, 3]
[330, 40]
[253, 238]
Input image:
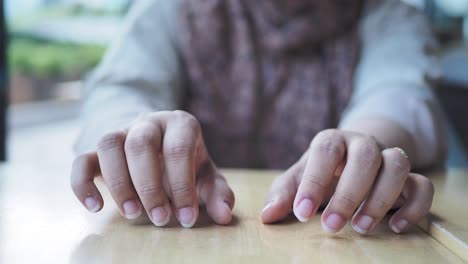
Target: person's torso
[262, 83]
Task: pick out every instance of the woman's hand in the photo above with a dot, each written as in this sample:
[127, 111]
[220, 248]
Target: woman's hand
[369, 182]
[158, 164]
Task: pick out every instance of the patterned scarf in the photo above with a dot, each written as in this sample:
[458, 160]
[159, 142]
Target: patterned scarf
[265, 76]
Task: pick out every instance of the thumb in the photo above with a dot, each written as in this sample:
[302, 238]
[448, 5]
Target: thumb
[218, 198]
[281, 197]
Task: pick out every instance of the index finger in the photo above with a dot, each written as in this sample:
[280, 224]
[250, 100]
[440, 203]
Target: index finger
[326, 153]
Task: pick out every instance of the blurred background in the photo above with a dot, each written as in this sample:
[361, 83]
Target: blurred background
[54, 44]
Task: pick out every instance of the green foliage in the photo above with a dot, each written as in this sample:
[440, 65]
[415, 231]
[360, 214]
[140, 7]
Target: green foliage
[43, 59]
[80, 10]
[61, 12]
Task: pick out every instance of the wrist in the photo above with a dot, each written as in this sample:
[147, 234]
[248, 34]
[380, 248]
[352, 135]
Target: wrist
[387, 133]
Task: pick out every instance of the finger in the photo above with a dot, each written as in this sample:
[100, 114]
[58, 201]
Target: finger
[364, 159]
[115, 173]
[387, 188]
[419, 192]
[84, 169]
[281, 195]
[340, 168]
[142, 149]
[216, 195]
[326, 152]
[179, 146]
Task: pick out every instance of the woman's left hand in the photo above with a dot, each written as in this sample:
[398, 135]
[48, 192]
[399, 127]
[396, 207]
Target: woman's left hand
[356, 180]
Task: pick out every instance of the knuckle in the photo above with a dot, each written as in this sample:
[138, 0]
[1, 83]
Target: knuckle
[155, 117]
[191, 122]
[141, 141]
[346, 201]
[150, 191]
[180, 113]
[368, 151]
[193, 125]
[118, 185]
[381, 205]
[397, 161]
[187, 120]
[182, 191]
[326, 142]
[145, 116]
[180, 151]
[326, 134]
[112, 140]
[314, 183]
[331, 132]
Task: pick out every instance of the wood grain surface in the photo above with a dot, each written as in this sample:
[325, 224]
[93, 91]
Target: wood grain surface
[41, 222]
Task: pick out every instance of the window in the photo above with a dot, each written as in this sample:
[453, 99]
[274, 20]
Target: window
[54, 44]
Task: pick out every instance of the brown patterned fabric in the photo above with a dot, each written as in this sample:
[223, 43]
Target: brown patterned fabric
[265, 76]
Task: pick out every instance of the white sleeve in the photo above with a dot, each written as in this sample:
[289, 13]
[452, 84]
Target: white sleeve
[139, 73]
[390, 79]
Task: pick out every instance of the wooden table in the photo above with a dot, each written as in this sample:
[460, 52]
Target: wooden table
[41, 222]
[448, 222]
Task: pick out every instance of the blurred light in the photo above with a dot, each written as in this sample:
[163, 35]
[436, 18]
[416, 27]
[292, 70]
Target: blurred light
[453, 7]
[416, 3]
[19, 7]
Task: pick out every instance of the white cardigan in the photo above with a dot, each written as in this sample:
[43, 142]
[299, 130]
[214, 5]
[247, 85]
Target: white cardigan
[141, 73]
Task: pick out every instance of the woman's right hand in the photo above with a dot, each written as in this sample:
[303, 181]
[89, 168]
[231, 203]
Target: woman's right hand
[159, 164]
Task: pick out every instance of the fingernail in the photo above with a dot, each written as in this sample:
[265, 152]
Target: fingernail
[304, 210]
[228, 206]
[399, 226]
[363, 224]
[226, 217]
[160, 216]
[131, 209]
[92, 204]
[333, 223]
[268, 205]
[187, 217]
